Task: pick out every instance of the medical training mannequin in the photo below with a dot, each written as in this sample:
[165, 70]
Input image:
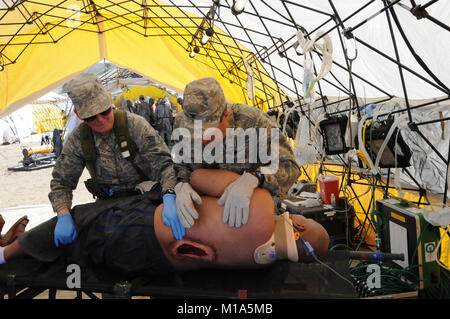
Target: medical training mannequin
[210, 243]
[213, 244]
[235, 246]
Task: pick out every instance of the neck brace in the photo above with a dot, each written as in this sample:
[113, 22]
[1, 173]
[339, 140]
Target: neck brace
[281, 244]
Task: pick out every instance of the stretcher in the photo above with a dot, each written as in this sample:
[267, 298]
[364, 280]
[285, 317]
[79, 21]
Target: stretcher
[25, 278]
[36, 158]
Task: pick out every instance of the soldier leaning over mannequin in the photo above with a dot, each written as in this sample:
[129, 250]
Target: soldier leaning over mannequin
[204, 100]
[114, 173]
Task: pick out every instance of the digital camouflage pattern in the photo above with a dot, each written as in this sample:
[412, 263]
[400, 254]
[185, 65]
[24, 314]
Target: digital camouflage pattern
[88, 95]
[113, 171]
[245, 117]
[146, 112]
[203, 99]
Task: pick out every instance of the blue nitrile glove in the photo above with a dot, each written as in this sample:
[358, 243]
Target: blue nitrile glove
[170, 216]
[65, 231]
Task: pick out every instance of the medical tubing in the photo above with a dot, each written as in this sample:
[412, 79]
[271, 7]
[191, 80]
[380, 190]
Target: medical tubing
[293, 108]
[375, 255]
[321, 116]
[446, 231]
[310, 251]
[388, 137]
[278, 117]
[308, 248]
[362, 148]
[308, 80]
[397, 183]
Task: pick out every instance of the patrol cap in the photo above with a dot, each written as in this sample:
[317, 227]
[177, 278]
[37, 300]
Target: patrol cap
[141, 97]
[88, 95]
[203, 100]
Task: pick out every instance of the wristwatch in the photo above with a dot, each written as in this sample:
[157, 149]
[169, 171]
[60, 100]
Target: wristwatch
[169, 191]
[260, 177]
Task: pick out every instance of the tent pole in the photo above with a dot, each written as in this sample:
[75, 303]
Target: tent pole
[402, 79]
[415, 55]
[349, 31]
[347, 60]
[446, 175]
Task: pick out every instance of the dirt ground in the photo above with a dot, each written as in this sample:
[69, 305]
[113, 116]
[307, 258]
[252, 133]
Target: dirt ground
[26, 188]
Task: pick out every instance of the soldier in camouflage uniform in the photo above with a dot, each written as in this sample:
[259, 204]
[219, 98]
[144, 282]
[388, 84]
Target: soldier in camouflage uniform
[145, 110]
[163, 121]
[204, 100]
[113, 170]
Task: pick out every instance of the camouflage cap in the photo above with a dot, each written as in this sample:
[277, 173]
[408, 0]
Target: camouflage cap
[203, 100]
[88, 95]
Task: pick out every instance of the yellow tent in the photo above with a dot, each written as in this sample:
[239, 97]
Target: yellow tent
[47, 116]
[51, 41]
[148, 91]
[64, 40]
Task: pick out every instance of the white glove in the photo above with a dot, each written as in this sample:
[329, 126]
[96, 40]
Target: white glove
[237, 200]
[185, 206]
[145, 186]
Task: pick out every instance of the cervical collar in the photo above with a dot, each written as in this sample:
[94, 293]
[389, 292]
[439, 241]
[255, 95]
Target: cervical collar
[281, 244]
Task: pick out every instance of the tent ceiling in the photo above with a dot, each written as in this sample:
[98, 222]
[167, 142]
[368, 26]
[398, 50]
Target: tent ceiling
[44, 43]
[270, 27]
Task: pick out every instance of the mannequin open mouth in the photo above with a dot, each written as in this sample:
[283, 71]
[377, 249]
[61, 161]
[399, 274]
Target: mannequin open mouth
[193, 249]
[187, 249]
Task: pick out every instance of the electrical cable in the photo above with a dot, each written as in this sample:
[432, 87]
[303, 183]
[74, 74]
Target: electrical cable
[310, 251]
[394, 280]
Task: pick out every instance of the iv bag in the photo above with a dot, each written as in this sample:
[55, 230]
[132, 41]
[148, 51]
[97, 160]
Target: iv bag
[304, 152]
[326, 48]
[308, 80]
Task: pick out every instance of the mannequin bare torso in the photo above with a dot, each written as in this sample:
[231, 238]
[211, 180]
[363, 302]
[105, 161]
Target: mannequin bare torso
[212, 243]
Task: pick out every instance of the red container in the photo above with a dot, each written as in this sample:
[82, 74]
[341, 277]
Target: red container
[328, 185]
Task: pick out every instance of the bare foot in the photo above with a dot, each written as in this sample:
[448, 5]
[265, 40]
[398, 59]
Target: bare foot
[2, 223]
[15, 230]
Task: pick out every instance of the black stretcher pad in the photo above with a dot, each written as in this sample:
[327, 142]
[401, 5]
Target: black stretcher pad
[26, 278]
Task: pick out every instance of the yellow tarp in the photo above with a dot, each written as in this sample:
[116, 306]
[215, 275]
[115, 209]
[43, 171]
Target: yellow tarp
[148, 91]
[164, 59]
[47, 117]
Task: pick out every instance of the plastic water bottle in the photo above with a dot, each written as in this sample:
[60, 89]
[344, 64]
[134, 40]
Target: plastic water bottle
[369, 110]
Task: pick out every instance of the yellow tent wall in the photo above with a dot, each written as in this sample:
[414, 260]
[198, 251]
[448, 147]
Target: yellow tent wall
[151, 91]
[164, 59]
[44, 68]
[47, 116]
